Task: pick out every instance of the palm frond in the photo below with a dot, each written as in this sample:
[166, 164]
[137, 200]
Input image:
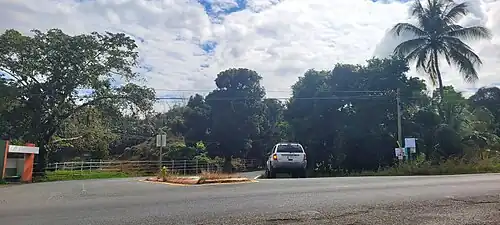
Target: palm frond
[419, 12]
[434, 9]
[417, 9]
[409, 28]
[424, 63]
[464, 49]
[452, 27]
[464, 65]
[414, 55]
[444, 51]
[455, 12]
[406, 47]
[471, 33]
[430, 69]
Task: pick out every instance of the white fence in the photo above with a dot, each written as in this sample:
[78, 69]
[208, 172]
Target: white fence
[151, 167]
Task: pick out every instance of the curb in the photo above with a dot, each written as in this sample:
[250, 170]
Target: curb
[227, 180]
[199, 182]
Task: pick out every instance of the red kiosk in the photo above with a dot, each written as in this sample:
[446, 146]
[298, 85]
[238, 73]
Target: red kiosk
[16, 162]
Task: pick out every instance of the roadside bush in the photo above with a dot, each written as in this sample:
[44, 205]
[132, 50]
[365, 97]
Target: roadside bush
[446, 167]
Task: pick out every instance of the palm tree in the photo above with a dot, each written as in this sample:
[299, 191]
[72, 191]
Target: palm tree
[437, 34]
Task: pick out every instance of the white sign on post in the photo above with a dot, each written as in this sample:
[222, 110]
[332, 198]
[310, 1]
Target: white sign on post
[398, 152]
[161, 140]
[410, 143]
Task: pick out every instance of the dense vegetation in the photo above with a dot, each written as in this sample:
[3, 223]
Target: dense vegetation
[346, 117]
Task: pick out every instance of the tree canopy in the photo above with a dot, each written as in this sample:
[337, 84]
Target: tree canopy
[47, 72]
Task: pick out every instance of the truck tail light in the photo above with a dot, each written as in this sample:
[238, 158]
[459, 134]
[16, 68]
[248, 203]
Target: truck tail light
[275, 157]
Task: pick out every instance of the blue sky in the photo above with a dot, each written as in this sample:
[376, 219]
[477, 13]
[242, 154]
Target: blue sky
[209, 8]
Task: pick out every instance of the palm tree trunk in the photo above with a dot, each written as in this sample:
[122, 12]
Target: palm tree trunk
[440, 87]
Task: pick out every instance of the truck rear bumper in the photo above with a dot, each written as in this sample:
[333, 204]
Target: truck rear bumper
[288, 165]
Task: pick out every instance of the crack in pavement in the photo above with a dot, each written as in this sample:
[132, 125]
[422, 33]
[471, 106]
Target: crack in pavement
[470, 202]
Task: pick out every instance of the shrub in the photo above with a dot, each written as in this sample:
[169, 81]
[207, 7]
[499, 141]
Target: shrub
[446, 167]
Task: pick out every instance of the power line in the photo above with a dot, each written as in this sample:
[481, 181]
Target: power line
[282, 98]
[277, 91]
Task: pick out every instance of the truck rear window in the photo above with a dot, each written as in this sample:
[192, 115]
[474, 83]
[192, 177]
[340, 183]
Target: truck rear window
[289, 148]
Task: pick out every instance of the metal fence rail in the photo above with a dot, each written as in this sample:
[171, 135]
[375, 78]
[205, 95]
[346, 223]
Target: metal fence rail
[151, 167]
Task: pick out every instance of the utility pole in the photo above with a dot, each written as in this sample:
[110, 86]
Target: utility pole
[400, 133]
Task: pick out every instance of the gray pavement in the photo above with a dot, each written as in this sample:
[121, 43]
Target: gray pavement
[461, 199]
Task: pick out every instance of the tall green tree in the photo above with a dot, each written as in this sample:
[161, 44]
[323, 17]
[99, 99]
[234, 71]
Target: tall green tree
[437, 34]
[8, 102]
[236, 107]
[489, 98]
[85, 132]
[272, 130]
[49, 70]
[197, 120]
[342, 123]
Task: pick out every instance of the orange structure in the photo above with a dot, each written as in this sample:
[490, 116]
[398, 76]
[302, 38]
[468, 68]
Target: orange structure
[17, 161]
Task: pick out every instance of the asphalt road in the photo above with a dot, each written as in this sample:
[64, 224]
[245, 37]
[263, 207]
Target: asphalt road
[462, 199]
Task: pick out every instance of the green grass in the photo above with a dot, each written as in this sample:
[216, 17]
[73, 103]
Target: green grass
[448, 167]
[420, 167]
[61, 175]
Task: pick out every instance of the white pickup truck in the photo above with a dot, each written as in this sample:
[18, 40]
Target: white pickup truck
[287, 158]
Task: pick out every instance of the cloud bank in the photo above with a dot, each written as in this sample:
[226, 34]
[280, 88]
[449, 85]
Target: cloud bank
[184, 43]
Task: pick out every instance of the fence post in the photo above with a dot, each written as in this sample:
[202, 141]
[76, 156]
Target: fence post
[56, 166]
[173, 165]
[81, 167]
[196, 167]
[184, 167]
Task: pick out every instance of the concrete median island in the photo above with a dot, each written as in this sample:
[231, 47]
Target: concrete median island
[203, 178]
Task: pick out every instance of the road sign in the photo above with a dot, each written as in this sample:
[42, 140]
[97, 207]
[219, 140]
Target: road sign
[410, 143]
[161, 140]
[398, 152]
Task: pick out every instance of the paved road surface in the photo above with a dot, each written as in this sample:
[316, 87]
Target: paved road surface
[464, 199]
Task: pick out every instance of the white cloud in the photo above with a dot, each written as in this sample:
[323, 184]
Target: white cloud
[280, 39]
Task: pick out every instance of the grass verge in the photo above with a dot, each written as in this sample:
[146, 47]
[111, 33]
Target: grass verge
[448, 167]
[420, 167]
[62, 175]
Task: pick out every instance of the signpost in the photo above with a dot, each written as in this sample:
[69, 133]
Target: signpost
[410, 146]
[399, 153]
[410, 143]
[161, 141]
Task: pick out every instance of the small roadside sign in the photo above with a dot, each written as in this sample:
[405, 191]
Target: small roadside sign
[410, 143]
[161, 140]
